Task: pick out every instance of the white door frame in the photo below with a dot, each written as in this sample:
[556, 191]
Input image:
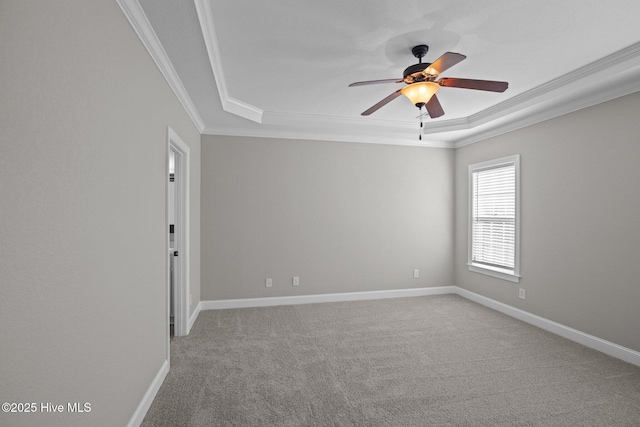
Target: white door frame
[181, 262]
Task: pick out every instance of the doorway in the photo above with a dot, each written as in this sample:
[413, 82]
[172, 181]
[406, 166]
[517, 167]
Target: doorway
[177, 215]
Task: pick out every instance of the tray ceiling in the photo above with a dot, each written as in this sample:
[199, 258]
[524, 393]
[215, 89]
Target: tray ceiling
[281, 69]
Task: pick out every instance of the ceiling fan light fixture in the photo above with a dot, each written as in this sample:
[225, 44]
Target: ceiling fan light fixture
[420, 93]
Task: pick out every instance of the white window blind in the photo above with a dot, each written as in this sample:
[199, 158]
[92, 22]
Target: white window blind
[493, 215]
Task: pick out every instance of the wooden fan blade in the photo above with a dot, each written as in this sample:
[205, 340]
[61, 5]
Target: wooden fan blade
[375, 82]
[446, 61]
[382, 103]
[434, 108]
[490, 85]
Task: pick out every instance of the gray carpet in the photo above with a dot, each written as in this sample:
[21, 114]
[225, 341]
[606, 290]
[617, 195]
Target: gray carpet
[424, 361]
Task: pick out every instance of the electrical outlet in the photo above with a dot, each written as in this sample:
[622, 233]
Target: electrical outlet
[521, 293]
[416, 274]
[268, 282]
[296, 281]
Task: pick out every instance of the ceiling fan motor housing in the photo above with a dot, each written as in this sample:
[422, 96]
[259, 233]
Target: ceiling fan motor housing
[414, 73]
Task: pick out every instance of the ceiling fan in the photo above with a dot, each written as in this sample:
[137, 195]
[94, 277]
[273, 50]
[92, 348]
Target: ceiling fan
[423, 83]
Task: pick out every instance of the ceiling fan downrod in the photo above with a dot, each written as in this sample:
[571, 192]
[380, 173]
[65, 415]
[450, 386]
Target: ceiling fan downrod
[420, 51]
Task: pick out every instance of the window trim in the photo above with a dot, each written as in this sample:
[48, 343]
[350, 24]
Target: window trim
[481, 268]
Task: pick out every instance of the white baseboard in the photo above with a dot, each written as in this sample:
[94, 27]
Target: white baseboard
[194, 316]
[148, 397]
[606, 347]
[591, 341]
[337, 297]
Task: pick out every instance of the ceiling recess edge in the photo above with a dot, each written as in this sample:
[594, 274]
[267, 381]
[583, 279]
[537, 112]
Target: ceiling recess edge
[142, 27]
[571, 92]
[229, 104]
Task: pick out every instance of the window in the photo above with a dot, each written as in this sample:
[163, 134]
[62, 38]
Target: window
[494, 218]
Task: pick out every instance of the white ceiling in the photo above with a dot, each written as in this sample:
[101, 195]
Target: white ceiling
[281, 68]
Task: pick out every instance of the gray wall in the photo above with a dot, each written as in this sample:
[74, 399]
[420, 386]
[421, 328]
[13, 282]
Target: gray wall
[344, 217]
[83, 114]
[580, 211]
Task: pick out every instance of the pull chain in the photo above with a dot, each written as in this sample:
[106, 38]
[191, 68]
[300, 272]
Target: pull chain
[420, 134]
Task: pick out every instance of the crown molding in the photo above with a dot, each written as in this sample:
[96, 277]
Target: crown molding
[320, 134]
[617, 75]
[229, 104]
[330, 128]
[582, 78]
[613, 76]
[552, 112]
[142, 27]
